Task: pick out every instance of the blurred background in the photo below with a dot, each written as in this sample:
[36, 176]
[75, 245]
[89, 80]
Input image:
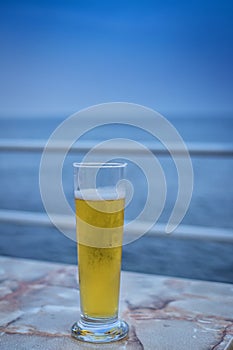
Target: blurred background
[58, 57]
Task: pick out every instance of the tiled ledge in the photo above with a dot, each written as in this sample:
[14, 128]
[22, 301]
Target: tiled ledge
[39, 302]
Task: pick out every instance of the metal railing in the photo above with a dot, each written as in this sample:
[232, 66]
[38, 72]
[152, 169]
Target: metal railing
[195, 148]
[183, 231]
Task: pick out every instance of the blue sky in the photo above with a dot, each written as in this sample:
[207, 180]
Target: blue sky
[59, 56]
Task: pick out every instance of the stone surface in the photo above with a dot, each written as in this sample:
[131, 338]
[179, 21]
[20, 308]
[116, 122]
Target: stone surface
[40, 301]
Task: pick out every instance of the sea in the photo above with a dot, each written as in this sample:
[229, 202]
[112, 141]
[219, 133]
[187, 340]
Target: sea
[211, 203]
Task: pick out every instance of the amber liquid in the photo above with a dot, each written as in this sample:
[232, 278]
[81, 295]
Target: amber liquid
[99, 235]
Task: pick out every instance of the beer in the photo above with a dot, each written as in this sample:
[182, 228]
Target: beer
[99, 236]
[99, 201]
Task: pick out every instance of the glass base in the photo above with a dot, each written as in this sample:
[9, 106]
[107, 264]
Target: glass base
[99, 332]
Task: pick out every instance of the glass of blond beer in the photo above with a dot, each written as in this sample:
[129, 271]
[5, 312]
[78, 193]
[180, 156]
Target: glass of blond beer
[99, 203]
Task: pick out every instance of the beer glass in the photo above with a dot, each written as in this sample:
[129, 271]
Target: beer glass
[99, 203]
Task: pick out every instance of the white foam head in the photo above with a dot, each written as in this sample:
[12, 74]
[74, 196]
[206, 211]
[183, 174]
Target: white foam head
[103, 193]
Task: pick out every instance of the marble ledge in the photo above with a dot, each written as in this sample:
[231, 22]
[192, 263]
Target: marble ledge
[39, 302]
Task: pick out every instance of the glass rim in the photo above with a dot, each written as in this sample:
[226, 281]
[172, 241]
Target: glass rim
[99, 165]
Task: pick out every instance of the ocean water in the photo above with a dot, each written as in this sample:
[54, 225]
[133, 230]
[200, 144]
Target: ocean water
[211, 204]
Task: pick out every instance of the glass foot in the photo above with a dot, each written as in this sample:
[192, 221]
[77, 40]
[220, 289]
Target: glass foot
[95, 332]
